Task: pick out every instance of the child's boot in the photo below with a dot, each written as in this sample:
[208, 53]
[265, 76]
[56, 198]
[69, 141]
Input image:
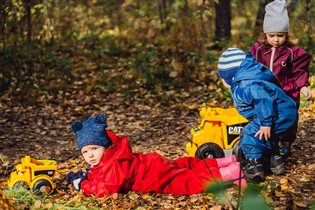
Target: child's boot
[277, 164]
[254, 169]
[233, 173]
[226, 161]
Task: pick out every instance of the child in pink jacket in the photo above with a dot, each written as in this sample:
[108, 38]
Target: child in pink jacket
[288, 62]
[114, 168]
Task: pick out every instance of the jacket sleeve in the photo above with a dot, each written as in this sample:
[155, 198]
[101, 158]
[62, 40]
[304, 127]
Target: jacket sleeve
[300, 65]
[107, 182]
[254, 48]
[262, 100]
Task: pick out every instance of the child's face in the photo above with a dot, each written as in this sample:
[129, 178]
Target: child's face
[276, 39]
[93, 154]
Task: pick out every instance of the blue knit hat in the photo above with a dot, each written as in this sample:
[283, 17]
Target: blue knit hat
[276, 18]
[91, 132]
[229, 62]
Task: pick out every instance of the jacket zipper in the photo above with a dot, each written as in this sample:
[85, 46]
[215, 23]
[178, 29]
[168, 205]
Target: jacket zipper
[273, 50]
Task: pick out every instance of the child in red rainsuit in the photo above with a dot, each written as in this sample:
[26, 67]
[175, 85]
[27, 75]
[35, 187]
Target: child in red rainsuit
[114, 168]
[288, 62]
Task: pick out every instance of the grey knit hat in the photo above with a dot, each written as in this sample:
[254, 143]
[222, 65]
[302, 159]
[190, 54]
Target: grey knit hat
[276, 17]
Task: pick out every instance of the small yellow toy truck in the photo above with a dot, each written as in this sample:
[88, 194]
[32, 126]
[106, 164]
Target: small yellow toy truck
[34, 174]
[218, 133]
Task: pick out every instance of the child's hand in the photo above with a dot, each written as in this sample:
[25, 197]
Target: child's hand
[306, 92]
[75, 178]
[264, 131]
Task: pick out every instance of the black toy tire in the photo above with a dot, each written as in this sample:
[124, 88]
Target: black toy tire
[209, 150]
[21, 184]
[42, 186]
[237, 151]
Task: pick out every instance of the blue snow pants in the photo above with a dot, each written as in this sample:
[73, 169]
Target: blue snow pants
[253, 147]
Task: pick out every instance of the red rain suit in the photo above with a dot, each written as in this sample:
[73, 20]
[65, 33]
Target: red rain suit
[120, 170]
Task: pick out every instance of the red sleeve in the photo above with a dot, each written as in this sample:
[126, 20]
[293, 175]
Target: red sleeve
[300, 66]
[108, 181]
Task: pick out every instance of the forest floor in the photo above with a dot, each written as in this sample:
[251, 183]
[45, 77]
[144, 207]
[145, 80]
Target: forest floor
[43, 131]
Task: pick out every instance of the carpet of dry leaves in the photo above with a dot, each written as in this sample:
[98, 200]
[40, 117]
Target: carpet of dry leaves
[43, 131]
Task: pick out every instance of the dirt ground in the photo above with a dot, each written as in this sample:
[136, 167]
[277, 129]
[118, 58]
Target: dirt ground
[43, 131]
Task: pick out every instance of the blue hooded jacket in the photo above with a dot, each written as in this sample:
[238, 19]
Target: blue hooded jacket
[256, 95]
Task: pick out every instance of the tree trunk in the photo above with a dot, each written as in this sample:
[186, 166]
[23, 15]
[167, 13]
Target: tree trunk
[3, 21]
[203, 35]
[119, 21]
[28, 6]
[161, 10]
[164, 7]
[223, 20]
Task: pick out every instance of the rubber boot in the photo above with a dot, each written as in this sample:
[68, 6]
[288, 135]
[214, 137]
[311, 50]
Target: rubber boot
[232, 173]
[226, 161]
[277, 165]
[254, 169]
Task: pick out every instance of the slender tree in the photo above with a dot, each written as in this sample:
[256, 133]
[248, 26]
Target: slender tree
[162, 10]
[28, 14]
[3, 20]
[203, 35]
[223, 20]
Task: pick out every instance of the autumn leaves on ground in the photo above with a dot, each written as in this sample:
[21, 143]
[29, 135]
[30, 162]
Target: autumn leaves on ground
[151, 123]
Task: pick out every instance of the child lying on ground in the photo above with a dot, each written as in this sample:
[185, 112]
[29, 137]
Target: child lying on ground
[114, 168]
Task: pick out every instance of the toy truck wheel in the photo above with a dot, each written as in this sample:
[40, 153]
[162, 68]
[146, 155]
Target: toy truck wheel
[237, 151]
[21, 184]
[42, 186]
[209, 150]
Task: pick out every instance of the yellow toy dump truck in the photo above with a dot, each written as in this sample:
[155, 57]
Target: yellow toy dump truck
[218, 133]
[34, 174]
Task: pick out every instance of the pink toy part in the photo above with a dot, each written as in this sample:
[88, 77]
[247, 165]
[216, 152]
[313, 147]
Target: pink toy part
[232, 172]
[226, 161]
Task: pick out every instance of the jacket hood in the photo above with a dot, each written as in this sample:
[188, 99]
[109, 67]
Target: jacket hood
[250, 69]
[119, 150]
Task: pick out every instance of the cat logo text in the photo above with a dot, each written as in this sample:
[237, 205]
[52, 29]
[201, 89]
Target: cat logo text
[235, 129]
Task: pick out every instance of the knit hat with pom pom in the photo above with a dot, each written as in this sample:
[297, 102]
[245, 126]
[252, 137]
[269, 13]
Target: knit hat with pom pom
[91, 132]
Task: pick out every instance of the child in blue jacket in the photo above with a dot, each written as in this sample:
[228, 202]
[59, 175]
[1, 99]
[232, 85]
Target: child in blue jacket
[257, 97]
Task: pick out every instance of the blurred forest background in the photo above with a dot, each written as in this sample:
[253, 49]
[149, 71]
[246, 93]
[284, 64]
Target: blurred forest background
[157, 45]
[149, 65]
